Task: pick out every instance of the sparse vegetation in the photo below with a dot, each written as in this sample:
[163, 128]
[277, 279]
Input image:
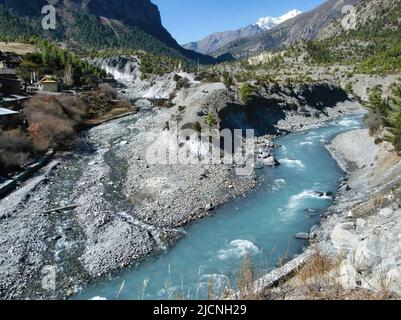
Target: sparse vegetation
[210, 120]
[386, 113]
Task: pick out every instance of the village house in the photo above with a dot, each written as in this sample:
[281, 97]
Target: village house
[9, 60]
[49, 84]
[9, 82]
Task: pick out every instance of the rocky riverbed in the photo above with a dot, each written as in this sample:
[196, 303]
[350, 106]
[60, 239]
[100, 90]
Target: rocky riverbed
[127, 206]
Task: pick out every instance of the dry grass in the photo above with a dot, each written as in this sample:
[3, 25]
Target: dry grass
[317, 267]
[52, 121]
[318, 280]
[246, 280]
[17, 47]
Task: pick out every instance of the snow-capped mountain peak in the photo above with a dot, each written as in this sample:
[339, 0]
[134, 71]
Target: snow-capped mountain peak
[270, 22]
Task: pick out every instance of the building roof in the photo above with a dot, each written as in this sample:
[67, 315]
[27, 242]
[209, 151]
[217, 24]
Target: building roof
[48, 79]
[7, 112]
[7, 71]
[10, 57]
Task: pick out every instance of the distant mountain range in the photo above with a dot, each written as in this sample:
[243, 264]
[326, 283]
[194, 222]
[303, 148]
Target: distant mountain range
[304, 26]
[95, 24]
[215, 41]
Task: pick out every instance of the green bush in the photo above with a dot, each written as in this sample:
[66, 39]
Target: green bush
[210, 120]
[349, 88]
[246, 93]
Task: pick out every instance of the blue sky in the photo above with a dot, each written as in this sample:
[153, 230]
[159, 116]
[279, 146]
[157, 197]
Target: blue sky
[190, 20]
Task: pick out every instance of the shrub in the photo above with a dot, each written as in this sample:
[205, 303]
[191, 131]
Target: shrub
[395, 129]
[12, 161]
[246, 93]
[228, 81]
[163, 103]
[52, 121]
[15, 141]
[74, 107]
[108, 90]
[373, 122]
[210, 120]
[349, 88]
[177, 77]
[183, 83]
[16, 149]
[377, 104]
[195, 126]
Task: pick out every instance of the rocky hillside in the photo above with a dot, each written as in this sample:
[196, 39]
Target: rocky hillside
[217, 40]
[373, 46]
[367, 11]
[305, 26]
[95, 24]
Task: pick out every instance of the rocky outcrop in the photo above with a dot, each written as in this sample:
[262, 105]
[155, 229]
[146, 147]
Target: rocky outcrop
[289, 108]
[372, 256]
[364, 230]
[215, 41]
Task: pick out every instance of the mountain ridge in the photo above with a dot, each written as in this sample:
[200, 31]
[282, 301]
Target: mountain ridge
[97, 24]
[215, 41]
[305, 26]
[268, 23]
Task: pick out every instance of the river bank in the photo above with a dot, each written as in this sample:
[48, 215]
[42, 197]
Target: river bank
[354, 253]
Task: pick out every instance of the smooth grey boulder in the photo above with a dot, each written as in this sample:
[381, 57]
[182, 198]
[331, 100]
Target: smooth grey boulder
[314, 229]
[302, 236]
[386, 212]
[271, 162]
[257, 165]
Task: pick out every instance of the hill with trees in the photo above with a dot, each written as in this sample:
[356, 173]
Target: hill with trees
[95, 24]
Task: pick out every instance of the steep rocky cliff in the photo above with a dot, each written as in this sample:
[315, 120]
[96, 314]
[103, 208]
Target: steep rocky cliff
[96, 24]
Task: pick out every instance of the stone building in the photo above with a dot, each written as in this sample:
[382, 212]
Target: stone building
[49, 84]
[9, 83]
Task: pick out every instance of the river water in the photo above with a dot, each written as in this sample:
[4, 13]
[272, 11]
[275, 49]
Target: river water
[262, 226]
